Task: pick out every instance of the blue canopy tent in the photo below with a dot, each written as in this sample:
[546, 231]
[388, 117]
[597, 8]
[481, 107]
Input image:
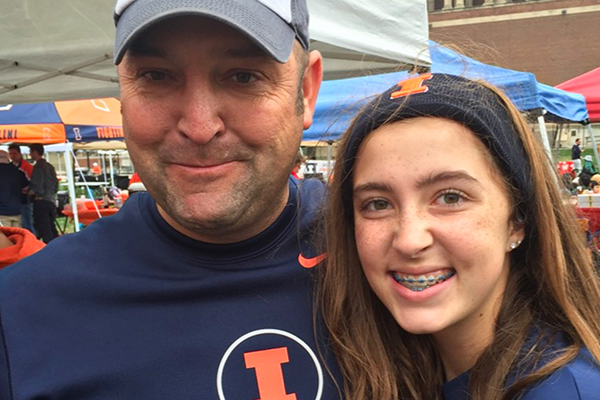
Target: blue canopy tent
[339, 100]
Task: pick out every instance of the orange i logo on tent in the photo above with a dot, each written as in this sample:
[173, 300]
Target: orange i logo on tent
[411, 86]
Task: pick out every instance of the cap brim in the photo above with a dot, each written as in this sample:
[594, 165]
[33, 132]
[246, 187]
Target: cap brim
[259, 23]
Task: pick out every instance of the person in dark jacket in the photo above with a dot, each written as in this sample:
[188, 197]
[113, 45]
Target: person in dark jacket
[43, 188]
[576, 155]
[12, 183]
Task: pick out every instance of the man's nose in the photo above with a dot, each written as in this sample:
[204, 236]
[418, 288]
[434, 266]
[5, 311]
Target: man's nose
[412, 232]
[201, 112]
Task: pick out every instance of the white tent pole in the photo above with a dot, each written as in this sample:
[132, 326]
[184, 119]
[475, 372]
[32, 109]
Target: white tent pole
[594, 146]
[71, 183]
[103, 165]
[112, 174]
[544, 135]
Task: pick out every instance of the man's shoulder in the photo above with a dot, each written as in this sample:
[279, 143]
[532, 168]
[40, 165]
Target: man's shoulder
[101, 240]
[577, 380]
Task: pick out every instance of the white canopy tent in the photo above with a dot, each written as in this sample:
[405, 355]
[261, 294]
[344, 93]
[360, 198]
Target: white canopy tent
[62, 49]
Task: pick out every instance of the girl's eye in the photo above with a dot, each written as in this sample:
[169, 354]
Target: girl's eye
[377, 205]
[450, 198]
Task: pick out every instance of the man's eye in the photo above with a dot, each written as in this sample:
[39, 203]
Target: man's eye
[155, 75]
[244, 77]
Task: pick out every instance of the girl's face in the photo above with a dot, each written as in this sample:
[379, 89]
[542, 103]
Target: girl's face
[433, 226]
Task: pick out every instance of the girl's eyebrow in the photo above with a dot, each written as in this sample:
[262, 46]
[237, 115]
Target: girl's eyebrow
[446, 176]
[433, 178]
[365, 187]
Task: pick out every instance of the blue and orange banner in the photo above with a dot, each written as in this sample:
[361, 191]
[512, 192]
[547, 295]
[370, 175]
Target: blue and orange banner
[42, 133]
[61, 121]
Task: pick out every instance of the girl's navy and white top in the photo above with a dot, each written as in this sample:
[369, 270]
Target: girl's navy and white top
[129, 308]
[577, 380]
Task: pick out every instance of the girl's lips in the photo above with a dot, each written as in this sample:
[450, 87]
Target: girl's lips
[423, 281]
[418, 291]
[435, 272]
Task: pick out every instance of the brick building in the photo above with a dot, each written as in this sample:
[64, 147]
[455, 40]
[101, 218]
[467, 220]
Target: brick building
[554, 39]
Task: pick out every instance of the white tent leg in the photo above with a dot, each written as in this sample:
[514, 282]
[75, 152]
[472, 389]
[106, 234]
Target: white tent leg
[112, 175]
[71, 183]
[544, 134]
[594, 146]
[103, 165]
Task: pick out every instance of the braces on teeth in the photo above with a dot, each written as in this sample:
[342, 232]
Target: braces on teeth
[420, 283]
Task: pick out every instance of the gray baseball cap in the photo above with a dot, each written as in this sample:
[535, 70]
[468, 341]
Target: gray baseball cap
[271, 24]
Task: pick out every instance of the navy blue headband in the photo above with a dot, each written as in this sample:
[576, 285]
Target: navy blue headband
[446, 96]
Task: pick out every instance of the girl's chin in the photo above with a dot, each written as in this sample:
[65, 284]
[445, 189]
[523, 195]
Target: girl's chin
[424, 328]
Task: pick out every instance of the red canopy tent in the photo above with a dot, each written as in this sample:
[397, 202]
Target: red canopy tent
[588, 85]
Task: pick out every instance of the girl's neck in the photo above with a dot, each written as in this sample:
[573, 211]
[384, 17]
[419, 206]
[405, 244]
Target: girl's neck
[460, 346]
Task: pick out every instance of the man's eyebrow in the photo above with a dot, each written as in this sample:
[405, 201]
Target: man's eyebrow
[446, 176]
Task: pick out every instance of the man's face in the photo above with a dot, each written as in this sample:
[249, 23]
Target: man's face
[213, 126]
[14, 155]
[35, 156]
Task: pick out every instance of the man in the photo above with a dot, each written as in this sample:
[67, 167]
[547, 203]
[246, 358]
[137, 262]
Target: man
[12, 182]
[14, 152]
[200, 288]
[43, 187]
[576, 155]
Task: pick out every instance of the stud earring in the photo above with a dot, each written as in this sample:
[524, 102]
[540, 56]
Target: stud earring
[513, 245]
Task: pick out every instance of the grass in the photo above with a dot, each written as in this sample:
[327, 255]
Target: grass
[70, 227]
[565, 154]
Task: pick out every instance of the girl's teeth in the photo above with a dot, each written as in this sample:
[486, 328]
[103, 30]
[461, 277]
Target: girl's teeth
[421, 282]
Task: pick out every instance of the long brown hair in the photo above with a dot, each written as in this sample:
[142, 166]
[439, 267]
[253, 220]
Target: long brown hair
[552, 288]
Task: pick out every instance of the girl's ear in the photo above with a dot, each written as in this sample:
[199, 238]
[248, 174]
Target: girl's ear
[517, 232]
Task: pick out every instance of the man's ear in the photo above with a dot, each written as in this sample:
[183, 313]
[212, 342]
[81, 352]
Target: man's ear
[313, 75]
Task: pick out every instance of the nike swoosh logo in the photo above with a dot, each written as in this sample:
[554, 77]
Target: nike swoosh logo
[311, 262]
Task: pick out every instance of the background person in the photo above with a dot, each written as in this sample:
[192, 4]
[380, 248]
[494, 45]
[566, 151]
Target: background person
[298, 162]
[43, 188]
[467, 279]
[202, 287]
[96, 170]
[14, 152]
[588, 166]
[576, 155]
[12, 182]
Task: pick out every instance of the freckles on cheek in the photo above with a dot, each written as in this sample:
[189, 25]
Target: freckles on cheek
[370, 242]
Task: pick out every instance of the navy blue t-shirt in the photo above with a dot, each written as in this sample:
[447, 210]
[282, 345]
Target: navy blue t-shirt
[577, 380]
[129, 309]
